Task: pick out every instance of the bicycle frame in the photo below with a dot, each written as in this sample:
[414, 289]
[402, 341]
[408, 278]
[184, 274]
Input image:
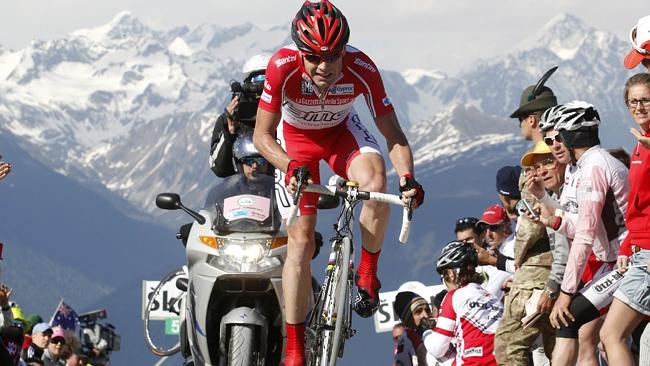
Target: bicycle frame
[329, 333]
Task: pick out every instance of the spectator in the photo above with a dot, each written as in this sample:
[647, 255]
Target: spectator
[71, 349]
[41, 334]
[632, 299]
[5, 168]
[594, 197]
[404, 352]
[5, 306]
[468, 312]
[640, 38]
[621, 155]
[532, 250]
[498, 228]
[508, 188]
[53, 354]
[415, 314]
[11, 338]
[545, 172]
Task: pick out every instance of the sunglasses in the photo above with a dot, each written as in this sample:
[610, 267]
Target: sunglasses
[496, 227]
[260, 161]
[258, 78]
[466, 221]
[318, 59]
[57, 341]
[544, 163]
[550, 140]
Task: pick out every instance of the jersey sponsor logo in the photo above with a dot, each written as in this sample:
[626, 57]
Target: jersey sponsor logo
[480, 305]
[473, 352]
[266, 97]
[281, 61]
[316, 116]
[602, 287]
[316, 101]
[386, 101]
[342, 89]
[307, 88]
[366, 65]
[267, 86]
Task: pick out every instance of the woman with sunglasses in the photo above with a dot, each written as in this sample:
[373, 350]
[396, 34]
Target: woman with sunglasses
[632, 299]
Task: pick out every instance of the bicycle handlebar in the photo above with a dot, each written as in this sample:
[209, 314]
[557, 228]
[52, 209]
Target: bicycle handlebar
[361, 195]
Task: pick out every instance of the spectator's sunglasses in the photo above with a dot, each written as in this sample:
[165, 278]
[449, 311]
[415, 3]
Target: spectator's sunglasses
[260, 161]
[496, 227]
[57, 340]
[466, 222]
[550, 140]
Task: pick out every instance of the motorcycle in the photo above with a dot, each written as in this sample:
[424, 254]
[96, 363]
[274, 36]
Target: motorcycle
[232, 312]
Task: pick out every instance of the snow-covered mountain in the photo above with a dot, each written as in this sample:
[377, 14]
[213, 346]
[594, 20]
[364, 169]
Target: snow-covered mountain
[127, 111]
[130, 109]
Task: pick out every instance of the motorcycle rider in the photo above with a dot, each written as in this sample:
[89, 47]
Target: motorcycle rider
[310, 87]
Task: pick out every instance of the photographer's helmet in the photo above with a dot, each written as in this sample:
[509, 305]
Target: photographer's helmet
[457, 254]
[255, 68]
[320, 28]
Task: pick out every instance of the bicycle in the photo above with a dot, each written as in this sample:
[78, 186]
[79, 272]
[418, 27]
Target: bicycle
[330, 322]
[177, 302]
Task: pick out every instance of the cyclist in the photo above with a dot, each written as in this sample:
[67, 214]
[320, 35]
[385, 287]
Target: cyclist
[469, 315]
[308, 95]
[594, 199]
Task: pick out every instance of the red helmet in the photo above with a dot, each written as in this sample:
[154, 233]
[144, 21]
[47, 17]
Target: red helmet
[320, 28]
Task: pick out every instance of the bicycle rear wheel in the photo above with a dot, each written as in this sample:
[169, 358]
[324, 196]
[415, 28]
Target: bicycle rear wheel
[156, 347]
[332, 312]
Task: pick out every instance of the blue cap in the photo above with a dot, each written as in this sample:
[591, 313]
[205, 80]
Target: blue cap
[508, 181]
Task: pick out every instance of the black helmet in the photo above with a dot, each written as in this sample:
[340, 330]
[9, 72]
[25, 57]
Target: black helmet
[457, 254]
[243, 146]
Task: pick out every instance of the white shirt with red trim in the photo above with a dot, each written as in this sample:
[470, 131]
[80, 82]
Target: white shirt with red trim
[289, 89]
[469, 317]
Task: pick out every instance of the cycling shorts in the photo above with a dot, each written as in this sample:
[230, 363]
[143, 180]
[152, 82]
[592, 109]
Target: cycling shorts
[594, 299]
[337, 145]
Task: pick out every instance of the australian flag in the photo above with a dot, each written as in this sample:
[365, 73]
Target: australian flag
[65, 317]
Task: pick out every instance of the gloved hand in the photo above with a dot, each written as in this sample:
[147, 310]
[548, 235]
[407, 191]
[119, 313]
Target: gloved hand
[411, 183]
[426, 324]
[291, 171]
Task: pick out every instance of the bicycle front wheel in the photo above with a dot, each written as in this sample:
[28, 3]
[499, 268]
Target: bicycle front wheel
[335, 311]
[158, 346]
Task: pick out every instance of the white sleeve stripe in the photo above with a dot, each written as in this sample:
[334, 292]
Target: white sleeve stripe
[445, 323]
[369, 98]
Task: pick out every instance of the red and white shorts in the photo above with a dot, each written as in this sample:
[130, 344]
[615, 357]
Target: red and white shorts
[337, 146]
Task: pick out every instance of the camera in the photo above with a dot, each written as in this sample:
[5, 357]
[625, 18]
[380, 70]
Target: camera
[98, 336]
[249, 94]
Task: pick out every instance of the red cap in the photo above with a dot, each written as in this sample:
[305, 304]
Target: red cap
[494, 214]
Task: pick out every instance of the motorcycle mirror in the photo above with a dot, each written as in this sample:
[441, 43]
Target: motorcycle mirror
[168, 201]
[172, 201]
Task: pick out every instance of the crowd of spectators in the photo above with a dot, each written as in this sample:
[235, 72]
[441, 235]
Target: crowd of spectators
[557, 271]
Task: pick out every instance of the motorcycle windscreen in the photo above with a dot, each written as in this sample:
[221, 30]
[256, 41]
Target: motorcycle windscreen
[245, 204]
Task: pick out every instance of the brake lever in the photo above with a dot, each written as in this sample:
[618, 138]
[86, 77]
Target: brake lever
[409, 209]
[301, 175]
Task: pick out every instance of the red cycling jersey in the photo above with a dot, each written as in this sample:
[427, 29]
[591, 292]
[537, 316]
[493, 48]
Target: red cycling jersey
[289, 89]
[470, 315]
[324, 127]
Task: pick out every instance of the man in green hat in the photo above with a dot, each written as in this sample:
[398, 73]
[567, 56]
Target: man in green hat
[533, 256]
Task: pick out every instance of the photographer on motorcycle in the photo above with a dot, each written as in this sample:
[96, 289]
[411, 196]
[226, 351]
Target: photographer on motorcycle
[238, 116]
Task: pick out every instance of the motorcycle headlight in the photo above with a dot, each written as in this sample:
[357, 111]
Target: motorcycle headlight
[243, 256]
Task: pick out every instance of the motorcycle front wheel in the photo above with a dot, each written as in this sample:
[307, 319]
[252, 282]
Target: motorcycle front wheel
[241, 346]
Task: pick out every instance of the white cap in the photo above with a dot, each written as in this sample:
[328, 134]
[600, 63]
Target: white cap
[640, 39]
